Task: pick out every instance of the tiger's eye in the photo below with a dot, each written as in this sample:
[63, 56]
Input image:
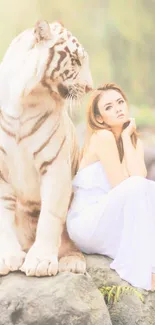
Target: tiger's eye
[76, 61]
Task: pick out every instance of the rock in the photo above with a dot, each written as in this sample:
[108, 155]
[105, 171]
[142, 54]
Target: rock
[72, 299]
[66, 299]
[129, 310]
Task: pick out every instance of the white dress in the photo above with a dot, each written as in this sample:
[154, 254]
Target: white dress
[118, 222]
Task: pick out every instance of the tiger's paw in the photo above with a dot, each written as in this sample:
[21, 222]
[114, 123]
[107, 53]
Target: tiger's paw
[71, 263]
[39, 262]
[12, 261]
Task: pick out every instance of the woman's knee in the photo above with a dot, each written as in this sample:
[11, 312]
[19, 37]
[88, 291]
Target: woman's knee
[137, 184]
[134, 181]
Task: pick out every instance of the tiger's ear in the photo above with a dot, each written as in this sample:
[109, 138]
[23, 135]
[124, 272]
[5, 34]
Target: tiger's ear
[42, 31]
[60, 23]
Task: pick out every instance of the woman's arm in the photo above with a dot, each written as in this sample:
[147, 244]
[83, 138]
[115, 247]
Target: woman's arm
[105, 148]
[134, 157]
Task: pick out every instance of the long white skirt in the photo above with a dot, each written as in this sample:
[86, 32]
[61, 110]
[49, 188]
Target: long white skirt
[121, 225]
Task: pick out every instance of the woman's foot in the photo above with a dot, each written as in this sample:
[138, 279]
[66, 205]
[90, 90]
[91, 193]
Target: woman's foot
[153, 281]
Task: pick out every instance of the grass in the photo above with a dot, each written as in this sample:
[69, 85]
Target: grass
[112, 293]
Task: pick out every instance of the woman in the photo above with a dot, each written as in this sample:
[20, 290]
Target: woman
[113, 210]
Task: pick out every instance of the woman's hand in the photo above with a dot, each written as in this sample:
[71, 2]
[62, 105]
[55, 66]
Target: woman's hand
[130, 128]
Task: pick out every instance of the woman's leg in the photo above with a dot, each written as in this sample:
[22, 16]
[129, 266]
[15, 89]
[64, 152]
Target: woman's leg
[122, 227]
[131, 242]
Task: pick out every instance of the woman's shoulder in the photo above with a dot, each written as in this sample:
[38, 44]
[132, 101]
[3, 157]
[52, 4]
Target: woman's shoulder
[102, 136]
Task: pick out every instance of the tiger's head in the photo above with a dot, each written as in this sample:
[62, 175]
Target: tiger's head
[48, 55]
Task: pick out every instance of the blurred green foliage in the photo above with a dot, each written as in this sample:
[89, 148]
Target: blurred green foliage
[118, 35]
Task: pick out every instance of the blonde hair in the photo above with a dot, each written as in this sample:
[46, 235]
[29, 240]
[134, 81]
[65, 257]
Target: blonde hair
[94, 125]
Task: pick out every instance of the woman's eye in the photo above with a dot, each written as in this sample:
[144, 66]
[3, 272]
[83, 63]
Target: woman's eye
[107, 108]
[121, 101]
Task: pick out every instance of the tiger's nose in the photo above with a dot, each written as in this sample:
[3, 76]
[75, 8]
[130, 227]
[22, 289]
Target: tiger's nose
[88, 89]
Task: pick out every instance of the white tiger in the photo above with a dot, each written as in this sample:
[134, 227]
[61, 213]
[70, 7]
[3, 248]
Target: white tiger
[41, 69]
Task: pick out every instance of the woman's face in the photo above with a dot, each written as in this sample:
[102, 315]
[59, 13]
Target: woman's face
[113, 108]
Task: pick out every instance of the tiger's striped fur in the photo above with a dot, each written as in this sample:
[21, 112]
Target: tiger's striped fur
[42, 68]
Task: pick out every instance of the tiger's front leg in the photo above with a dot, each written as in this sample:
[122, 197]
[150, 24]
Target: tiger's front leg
[42, 258]
[70, 257]
[11, 254]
